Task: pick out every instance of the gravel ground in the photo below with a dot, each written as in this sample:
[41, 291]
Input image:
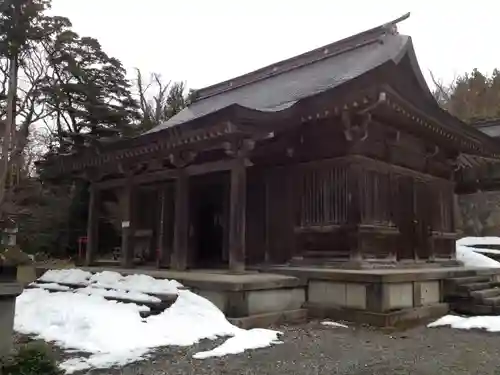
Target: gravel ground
[315, 349]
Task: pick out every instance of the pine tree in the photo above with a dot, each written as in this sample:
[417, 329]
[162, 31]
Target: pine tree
[471, 96]
[87, 91]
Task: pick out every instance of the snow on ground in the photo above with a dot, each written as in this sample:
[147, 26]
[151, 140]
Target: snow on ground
[66, 276]
[111, 280]
[489, 323]
[113, 333]
[134, 283]
[473, 241]
[333, 324]
[472, 256]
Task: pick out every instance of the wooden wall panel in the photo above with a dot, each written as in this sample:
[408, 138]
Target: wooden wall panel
[256, 220]
[280, 214]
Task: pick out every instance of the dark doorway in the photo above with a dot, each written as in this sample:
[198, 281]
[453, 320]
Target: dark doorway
[209, 221]
[405, 217]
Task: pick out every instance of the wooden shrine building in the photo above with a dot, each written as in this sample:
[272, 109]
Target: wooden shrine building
[338, 156]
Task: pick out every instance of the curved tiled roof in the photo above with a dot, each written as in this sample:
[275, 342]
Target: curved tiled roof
[281, 85]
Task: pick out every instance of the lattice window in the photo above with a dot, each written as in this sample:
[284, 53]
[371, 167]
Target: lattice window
[323, 195]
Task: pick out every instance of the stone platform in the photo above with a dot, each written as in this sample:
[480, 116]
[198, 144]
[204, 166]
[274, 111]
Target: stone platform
[276, 294]
[248, 300]
[379, 297]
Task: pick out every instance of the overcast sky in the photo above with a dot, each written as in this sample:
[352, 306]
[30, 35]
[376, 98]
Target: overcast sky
[207, 41]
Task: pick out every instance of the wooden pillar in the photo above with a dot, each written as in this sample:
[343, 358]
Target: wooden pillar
[128, 228]
[267, 216]
[92, 226]
[160, 245]
[354, 212]
[237, 216]
[181, 226]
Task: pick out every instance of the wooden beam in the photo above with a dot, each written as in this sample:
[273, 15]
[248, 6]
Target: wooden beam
[181, 226]
[92, 226]
[237, 214]
[139, 179]
[170, 174]
[216, 166]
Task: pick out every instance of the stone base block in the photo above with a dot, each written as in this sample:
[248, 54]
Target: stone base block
[244, 303]
[403, 318]
[270, 319]
[379, 297]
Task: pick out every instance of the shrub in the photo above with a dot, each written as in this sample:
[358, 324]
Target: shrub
[31, 359]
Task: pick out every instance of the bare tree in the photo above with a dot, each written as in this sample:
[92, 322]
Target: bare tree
[159, 100]
[152, 105]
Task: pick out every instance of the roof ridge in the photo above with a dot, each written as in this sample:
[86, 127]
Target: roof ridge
[338, 47]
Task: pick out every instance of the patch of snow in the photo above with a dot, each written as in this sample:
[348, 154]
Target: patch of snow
[50, 286]
[484, 251]
[488, 323]
[472, 241]
[114, 334]
[135, 283]
[471, 258]
[334, 324]
[132, 296]
[252, 339]
[66, 276]
[112, 280]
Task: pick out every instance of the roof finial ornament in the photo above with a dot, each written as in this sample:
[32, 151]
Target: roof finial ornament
[392, 27]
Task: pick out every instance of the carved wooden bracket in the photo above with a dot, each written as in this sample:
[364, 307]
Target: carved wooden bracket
[432, 153]
[129, 170]
[239, 148]
[356, 130]
[182, 158]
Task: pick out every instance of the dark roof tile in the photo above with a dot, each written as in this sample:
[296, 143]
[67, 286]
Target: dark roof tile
[282, 84]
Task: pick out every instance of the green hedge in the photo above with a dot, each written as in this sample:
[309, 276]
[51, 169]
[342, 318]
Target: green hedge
[31, 359]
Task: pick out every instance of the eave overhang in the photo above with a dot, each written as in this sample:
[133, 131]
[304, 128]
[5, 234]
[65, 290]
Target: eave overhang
[364, 94]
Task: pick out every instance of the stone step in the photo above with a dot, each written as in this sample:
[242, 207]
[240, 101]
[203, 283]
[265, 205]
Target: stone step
[69, 285]
[459, 281]
[485, 293]
[472, 308]
[466, 289]
[492, 301]
[472, 287]
[156, 307]
[166, 300]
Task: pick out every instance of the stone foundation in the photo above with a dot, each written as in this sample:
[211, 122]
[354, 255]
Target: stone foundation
[385, 298]
[375, 297]
[379, 297]
[248, 300]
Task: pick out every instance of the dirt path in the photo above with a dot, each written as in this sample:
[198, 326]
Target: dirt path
[315, 349]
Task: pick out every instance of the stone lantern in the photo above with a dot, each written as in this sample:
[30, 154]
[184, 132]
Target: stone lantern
[10, 288]
[9, 234]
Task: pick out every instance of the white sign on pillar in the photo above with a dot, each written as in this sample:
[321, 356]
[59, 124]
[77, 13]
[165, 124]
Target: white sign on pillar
[125, 224]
